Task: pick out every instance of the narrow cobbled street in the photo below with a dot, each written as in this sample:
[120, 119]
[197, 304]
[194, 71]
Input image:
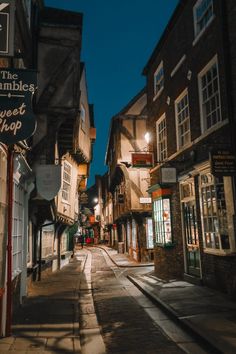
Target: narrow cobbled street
[90, 307]
[125, 326]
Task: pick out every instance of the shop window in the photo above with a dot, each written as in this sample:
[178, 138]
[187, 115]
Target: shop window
[214, 212]
[209, 91]
[162, 217]
[149, 233]
[47, 242]
[3, 213]
[17, 228]
[134, 234]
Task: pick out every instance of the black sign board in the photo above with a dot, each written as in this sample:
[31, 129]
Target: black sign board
[17, 120]
[223, 162]
[83, 198]
[7, 27]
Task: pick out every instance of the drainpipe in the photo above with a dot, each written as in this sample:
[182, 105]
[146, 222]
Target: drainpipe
[9, 240]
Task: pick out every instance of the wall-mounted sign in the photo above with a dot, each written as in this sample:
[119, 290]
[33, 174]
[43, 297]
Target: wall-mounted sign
[223, 162]
[7, 10]
[17, 120]
[48, 180]
[83, 198]
[142, 160]
[147, 200]
[168, 175]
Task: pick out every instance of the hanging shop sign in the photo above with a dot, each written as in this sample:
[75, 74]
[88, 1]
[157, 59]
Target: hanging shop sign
[83, 198]
[121, 198]
[223, 162]
[143, 200]
[48, 180]
[7, 10]
[142, 160]
[17, 120]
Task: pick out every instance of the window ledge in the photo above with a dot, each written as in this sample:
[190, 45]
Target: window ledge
[199, 35]
[222, 253]
[215, 127]
[158, 93]
[165, 245]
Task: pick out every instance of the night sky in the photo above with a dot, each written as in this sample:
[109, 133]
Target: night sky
[117, 41]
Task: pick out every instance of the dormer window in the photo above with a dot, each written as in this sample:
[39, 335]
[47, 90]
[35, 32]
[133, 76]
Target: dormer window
[158, 80]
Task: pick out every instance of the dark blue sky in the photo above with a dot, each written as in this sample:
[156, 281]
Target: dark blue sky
[118, 39]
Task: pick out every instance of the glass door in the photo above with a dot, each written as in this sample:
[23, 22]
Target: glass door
[190, 226]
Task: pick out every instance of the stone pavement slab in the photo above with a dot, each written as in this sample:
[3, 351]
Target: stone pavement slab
[48, 321]
[207, 313]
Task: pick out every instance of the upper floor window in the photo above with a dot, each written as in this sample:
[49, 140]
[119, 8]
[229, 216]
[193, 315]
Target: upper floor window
[182, 119]
[82, 116]
[66, 182]
[209, 91]
[158, 80]
[161, 138]
[203, 13]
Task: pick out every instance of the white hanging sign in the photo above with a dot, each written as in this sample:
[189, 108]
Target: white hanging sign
[48, 180]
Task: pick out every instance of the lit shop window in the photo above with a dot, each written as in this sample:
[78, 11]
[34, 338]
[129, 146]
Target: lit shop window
[214, 212]
[134, 233]
[162, 217]
[149, 233]
[17, 228]
[3, 213]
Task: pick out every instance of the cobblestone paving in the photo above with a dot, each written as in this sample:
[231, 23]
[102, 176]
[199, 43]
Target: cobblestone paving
[126, 327]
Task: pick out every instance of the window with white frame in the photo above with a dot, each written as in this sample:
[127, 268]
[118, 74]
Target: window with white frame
[162, 221]
[66, 183]
[209, 92]
[214, 213]
[82, 117]
[47, 243]
[3, 213]
[17, 228]
[203, 14]
[149, 233]
[134, 234]
[161, 138]
[158, 80]
[182, 119]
